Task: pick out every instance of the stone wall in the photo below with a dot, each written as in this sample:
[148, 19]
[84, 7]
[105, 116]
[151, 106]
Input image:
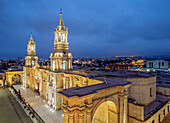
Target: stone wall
[133, 110]
[143, 89]
[163, 90]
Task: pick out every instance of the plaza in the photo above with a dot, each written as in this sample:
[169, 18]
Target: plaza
[47, 113]
[10, 110]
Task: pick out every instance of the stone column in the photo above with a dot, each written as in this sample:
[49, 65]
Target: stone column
[121, 107]
[76, 117]
[88, 111]
[81, 117]
[71, 82]
[71, 116]
[88, 116]
[125, 106]
[65, 116]
[58, 99]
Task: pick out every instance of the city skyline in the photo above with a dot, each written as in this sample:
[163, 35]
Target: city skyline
[98, 29]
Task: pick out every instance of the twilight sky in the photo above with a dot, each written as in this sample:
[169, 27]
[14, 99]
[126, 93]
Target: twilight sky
[96, 27]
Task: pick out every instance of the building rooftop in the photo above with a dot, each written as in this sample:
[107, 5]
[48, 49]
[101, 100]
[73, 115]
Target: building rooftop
[82, 91]
[163, 85]
[153, 107]
[124, 73]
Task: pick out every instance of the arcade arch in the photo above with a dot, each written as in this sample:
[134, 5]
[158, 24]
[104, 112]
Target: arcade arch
[108, 111]
[102, 104]
[14, 77]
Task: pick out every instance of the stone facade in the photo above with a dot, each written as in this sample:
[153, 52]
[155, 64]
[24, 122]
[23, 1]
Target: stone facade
[163, 90]
[103, 103]
[48, 83]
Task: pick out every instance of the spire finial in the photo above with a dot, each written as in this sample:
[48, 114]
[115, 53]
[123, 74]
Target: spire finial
[31, 36]
[61, 24]
[31, 39]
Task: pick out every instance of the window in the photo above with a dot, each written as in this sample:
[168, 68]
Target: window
[168, 108]
[53, 65]
[33, 63]
[159, 64]
[162, 63]
[164, 112]
[150, 92]
[56, 37]
[32, 48]
[65, 65]
[159, 118]
[153, 121]
[63, 37]
[59, 37]
[150, 64]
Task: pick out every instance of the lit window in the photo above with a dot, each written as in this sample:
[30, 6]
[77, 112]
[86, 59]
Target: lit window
[32, 48]
[63, 37]
[59, 37]
[56, 37]
[53, 65]
[33, 62]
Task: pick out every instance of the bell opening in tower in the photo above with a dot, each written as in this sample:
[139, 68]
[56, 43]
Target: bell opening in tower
[65, 65]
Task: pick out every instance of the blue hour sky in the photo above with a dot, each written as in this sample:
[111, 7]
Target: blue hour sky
[96, 27]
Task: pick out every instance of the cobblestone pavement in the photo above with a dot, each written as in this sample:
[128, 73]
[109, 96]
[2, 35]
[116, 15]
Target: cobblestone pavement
[10, 109]
[48, 114]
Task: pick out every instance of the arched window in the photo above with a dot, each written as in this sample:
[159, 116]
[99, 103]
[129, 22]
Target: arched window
[65, 65]
[32, 47]
[56, 37]
[63, 37]
[33, 63]
[53, 65]
[59, 37]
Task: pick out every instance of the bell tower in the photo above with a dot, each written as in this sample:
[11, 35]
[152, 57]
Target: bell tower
[31, 59]
[61, 59]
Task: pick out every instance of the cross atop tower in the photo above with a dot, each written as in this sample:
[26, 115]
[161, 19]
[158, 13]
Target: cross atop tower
[61, 11]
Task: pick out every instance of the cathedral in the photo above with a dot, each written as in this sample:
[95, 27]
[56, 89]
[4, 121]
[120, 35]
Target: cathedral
[47, 81]
[92, 97]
